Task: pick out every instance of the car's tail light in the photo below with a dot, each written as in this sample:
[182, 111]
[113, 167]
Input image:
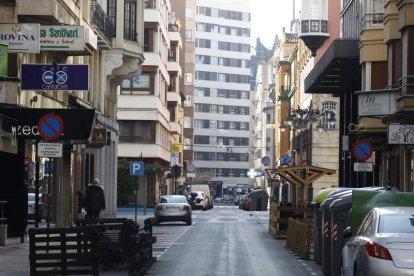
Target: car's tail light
[377, 251]
[159, 208]
[186, 208]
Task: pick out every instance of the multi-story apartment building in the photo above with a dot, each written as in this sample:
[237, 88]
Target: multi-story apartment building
[186, 11]
[149, 104]
[222, 86]
[105, 36]
[262, 109]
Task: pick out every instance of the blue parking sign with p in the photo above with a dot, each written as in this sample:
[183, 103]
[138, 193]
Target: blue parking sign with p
[136, 168]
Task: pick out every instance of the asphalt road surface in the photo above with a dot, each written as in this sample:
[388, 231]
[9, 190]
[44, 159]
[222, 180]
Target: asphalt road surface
[225, 241]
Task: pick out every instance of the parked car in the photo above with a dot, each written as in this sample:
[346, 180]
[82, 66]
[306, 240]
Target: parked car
[206, 189]
[382, 245]
[201, 201]
[173, 208]
[31, 207]
[227, 199]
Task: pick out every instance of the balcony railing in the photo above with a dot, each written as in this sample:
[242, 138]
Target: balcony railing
[314, 26]
[372, 19]
[102, 21]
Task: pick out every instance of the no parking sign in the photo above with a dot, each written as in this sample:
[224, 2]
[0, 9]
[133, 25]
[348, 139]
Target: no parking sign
[50, 127]
[362, 150]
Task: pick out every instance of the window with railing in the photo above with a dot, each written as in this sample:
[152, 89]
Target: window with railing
[328, 119]
[372, 13]
[130, 20]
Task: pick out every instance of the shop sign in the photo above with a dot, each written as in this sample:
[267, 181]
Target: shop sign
[401, 134]
[21, 38]
[377, 140]
[4, 57]
[377, 104]
[62, 38]
[61, 77]
[77, 122]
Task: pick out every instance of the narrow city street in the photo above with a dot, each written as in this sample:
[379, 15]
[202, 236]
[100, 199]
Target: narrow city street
[223, 241]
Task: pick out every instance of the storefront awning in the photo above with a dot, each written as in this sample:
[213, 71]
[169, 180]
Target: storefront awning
[74, 124]
[336, 69]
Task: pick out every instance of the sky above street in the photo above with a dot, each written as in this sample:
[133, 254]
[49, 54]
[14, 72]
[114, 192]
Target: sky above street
[269, 17]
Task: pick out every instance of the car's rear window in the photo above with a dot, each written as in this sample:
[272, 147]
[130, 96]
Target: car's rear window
[396, 223]
[175, 199]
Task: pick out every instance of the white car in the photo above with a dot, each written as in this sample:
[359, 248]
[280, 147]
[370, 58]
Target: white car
[173, 208]
[201, 201]
[382, 245]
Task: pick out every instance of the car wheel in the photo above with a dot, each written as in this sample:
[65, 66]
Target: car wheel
[189, 221]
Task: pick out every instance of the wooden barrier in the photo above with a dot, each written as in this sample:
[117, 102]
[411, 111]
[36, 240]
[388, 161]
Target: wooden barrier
[300, 237]
[279, 216]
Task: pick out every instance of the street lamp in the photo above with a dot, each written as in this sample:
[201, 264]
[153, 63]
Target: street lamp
[301, 119]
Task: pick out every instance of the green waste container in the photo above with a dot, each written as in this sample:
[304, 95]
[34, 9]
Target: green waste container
[365, 200]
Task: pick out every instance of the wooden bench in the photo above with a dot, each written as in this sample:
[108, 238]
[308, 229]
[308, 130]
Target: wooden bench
[64, 251]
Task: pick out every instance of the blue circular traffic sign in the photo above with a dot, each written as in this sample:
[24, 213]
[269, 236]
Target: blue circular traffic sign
[50, 126]
[362, 150]
[265, 160]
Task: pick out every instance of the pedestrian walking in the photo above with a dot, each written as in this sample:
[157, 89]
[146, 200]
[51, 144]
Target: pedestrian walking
[94, 199]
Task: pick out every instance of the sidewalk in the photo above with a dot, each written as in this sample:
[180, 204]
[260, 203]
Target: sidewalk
[14, 257]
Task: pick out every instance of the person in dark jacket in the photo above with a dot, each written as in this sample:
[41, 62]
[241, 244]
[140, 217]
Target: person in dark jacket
[94, 199]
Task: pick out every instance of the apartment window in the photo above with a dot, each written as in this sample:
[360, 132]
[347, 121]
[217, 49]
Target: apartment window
[188, 101]
[142, 81]
[243, 125]
[213, 108]
[142, 132]
[221, 109]
[188, 78]
[213, 124]
[130, 20]
[188, 35]
[244, 94]
[232, 125]
[138, 85]
[221, 125]
[198, 123]
[112, 13]
[188, 122]
[148, 40]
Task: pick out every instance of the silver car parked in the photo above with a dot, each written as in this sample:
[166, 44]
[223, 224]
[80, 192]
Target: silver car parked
[382, 245]
[173, 208]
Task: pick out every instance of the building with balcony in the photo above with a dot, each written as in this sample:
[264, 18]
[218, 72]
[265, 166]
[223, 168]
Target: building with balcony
[222, 88]
[105, 38]
[262, 108]
[185, 10]
[149, 104]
